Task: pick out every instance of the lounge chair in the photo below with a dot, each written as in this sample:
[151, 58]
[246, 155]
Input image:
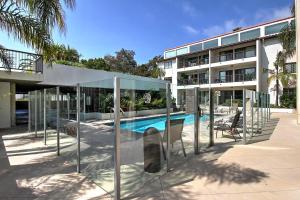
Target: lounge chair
[232, 129]
[176, 127]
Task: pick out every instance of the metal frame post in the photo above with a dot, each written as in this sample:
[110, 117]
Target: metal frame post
[68, 105]
[40, 110]
[29, 112]
[84, 109]
[168, 97]
[261, 110]
[196, 121]
[269, 106]
[78, 125]
[117, 158]
[257, 108]
[35, 113]
[57, 121]
[211, 117]
[45, 117]
[252, 112]
[244, 117]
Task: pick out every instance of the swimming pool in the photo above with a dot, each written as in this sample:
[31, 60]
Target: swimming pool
[140, 125]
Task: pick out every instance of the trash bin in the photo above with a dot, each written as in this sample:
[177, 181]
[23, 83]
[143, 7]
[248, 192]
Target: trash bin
[152, 153]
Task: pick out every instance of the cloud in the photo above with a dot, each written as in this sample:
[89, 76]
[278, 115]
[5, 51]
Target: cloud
[189, 9]
[191, 30]
[274, 13]
[227, 26]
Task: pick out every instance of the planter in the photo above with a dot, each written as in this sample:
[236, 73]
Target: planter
[282, 110]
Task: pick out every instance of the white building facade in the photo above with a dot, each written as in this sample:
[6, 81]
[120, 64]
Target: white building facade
[228, 63]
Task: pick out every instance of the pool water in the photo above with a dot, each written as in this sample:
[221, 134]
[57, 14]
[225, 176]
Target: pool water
[141, 125]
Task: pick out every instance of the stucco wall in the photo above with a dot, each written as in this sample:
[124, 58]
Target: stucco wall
[269, 52]
[5, 106]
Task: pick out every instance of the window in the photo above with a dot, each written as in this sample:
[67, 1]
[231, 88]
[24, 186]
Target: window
[225, 56]
[190, 62]
[182, 51]
[168, 65]
[196, 47]
[246, 52]
[289, 91]
[276, 28]
[170, 54]
[290, 67]
[225, 76]
[246, 74]
[203, 78]
[210, 44]
[248, 35]
[204, 59]
[250, 52]
[229, 39]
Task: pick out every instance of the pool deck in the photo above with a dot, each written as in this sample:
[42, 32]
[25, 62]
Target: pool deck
[267, 169]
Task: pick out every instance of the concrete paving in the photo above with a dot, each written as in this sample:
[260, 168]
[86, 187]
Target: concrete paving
[268, 168]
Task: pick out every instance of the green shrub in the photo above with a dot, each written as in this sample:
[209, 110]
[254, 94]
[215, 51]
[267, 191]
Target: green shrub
[288, 101]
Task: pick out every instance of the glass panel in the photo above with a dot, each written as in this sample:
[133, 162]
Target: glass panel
[170, 54]
[210, 44]
[196, 47]
[143, 136]
[227, 117]
[248, 35]
[204, 114]
[51, 116]
[97, 133]
[276, 28]
[182, 51]
[68, 123]
[229, 39]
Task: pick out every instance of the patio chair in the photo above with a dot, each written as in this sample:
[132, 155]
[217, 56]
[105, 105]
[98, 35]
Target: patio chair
[176, 127]
[232, 129]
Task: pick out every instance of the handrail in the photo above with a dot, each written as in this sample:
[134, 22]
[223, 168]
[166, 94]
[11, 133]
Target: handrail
[20, 61]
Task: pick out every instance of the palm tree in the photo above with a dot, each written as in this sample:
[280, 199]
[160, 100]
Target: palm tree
[287, 36]
[32, 21]
[280, 75]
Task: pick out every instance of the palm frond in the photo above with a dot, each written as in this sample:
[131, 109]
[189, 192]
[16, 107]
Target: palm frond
[287, 38]
[25, 28]
[5, 59]
[50, 12]
[271, 78]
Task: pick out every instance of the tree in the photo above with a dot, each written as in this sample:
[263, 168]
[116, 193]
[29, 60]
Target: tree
[123, 61]
[96, 63]
[281, 75]
[59, 52]
[150, 69]
[32, 21]
[287, 36]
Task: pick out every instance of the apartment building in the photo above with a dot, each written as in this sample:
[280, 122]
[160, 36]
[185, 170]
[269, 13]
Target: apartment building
[228, 63]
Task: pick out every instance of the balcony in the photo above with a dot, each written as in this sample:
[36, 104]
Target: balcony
[194, 81]
[18, 61]
[235, 78]
[223, 79]
[234, 56]
[194, 62]
[244, 77]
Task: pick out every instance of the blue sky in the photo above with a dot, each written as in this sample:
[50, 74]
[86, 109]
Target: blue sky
[97, 28]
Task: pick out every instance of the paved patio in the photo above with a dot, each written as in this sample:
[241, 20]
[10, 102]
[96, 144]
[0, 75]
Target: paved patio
[269, 168]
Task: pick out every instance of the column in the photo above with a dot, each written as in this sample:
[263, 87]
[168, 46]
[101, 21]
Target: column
[258, 66]
[297, 13]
